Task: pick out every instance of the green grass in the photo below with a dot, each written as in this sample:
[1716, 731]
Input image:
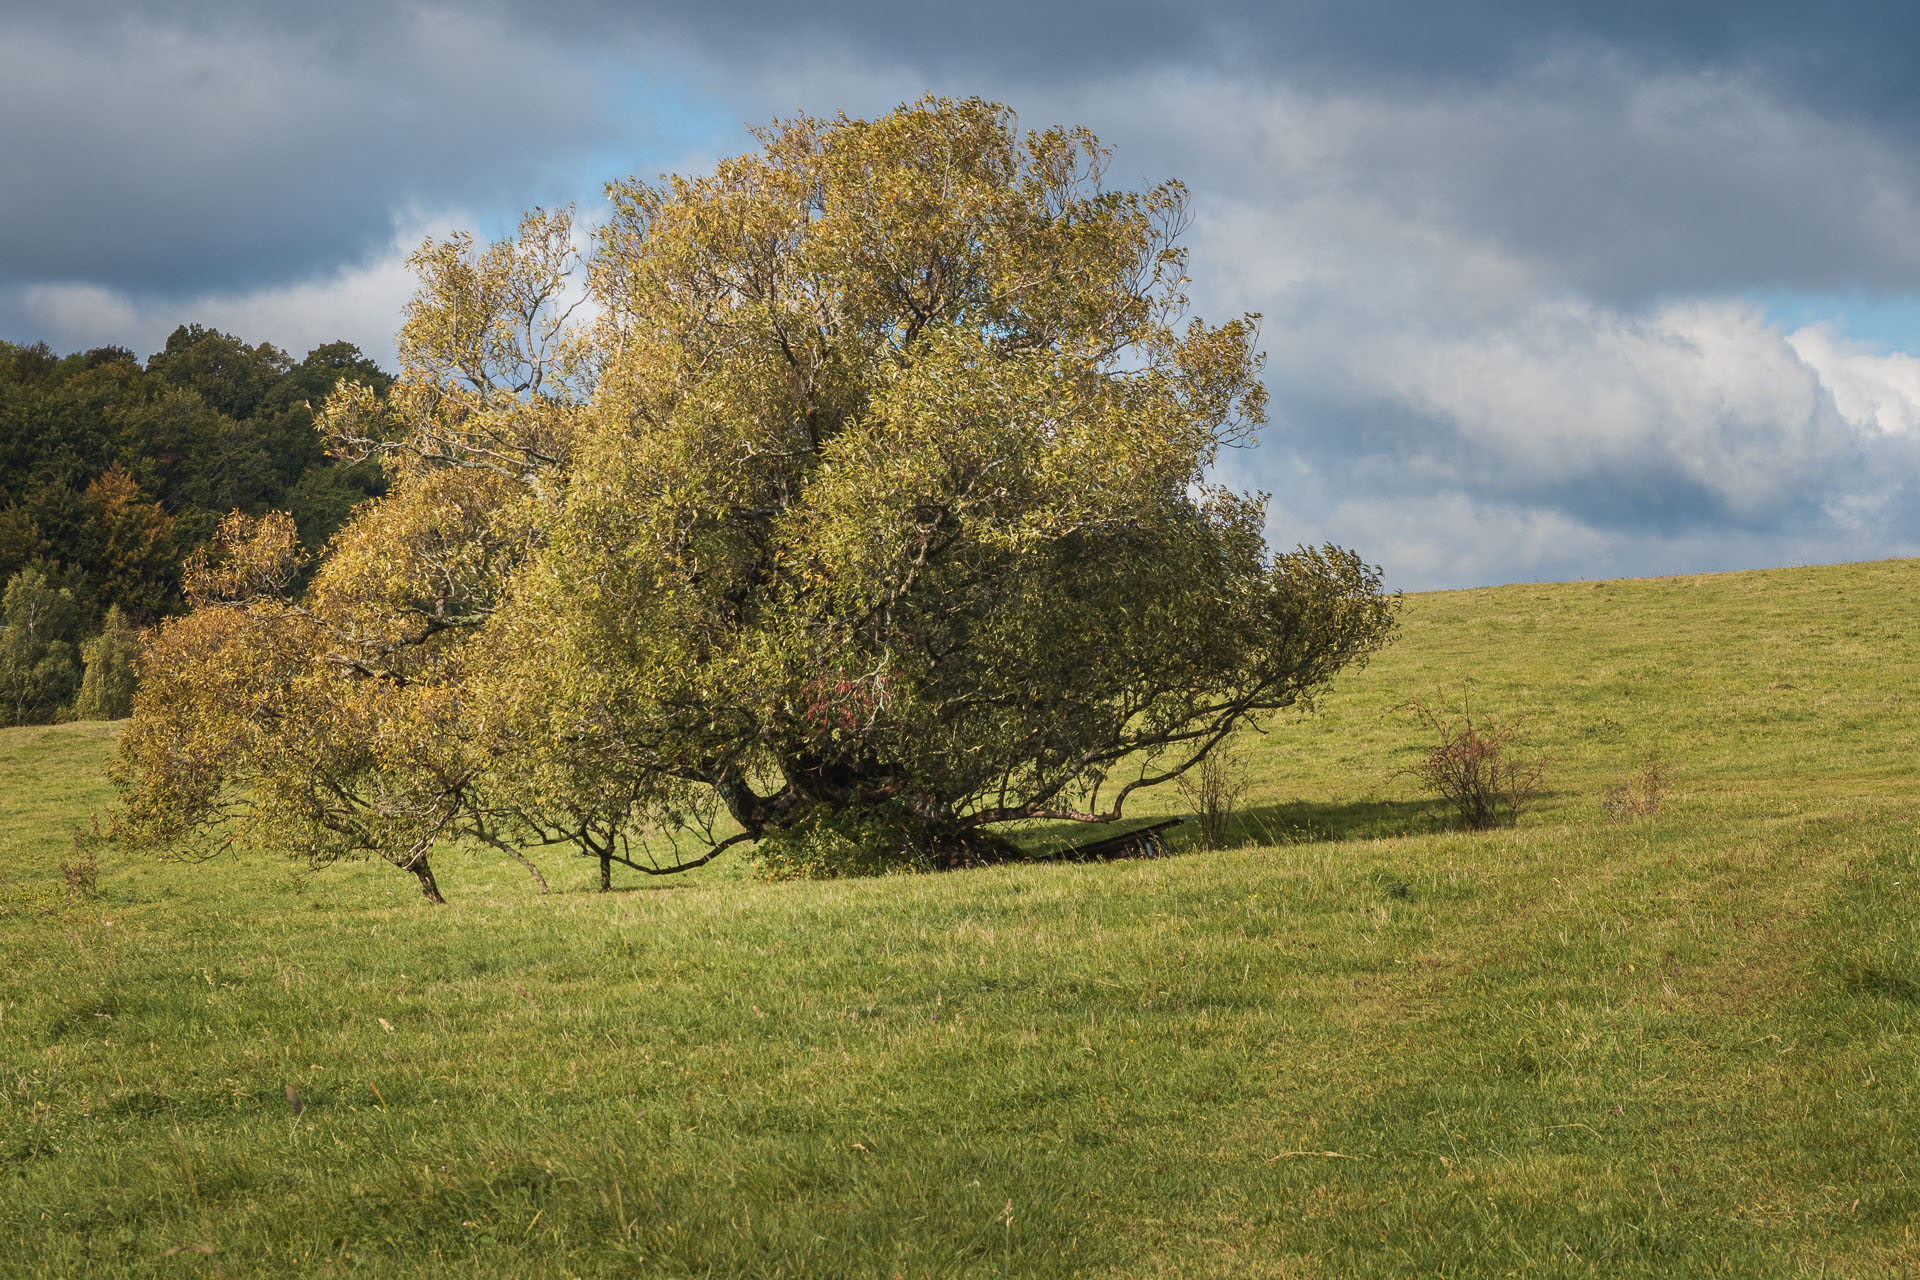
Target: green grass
[1365, 1045]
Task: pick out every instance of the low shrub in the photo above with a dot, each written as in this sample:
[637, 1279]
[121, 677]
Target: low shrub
[848, 842]
[82, 869]
[1476, 766]
[1640, 794]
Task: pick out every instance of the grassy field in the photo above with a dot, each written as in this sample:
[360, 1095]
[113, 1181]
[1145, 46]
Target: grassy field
[1360, 1045]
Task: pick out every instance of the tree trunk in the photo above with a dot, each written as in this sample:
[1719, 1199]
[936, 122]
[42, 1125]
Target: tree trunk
[606, 873]
[532, 870]
[428, 888]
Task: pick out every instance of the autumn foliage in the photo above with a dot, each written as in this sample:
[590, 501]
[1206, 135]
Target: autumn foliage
[859, 486]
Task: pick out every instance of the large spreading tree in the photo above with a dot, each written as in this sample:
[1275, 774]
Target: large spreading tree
[852, 499]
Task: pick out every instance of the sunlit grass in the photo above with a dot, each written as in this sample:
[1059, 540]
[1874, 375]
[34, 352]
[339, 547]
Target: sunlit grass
[1361, 1044]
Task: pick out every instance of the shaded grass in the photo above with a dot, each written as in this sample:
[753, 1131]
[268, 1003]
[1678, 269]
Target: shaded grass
[1364, 1045]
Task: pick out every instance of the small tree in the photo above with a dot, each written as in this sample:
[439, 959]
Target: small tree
[1214, 788]
[134, 559]
[1476, 767]
[37, 671]
[258, 712]
[106, 690]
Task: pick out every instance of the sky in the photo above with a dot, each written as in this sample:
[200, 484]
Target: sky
[1550, 290]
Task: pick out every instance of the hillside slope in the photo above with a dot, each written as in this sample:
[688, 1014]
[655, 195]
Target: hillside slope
[1362, 1044]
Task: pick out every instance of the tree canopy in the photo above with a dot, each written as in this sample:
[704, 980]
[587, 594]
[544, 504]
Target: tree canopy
[852, 499]
[111, 474]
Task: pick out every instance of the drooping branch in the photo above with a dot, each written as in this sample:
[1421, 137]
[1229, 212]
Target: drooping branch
[687, 864]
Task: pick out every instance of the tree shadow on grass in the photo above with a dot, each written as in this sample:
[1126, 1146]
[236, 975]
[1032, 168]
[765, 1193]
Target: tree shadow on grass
[1318, 821]
[1291, 822]
[1310, 822]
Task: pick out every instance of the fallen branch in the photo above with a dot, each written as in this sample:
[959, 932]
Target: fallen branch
[1142, 842]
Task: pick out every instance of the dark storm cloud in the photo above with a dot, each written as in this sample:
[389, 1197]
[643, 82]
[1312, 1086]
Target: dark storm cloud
[167, 152]
[215, 144]
[1850, 57]
[1629, 151]
[1463, 38]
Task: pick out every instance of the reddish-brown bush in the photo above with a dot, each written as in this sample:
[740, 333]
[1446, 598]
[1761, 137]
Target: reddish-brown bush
[1476, 766]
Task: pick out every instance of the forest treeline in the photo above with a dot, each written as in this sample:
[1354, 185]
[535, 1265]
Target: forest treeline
[112, 473]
